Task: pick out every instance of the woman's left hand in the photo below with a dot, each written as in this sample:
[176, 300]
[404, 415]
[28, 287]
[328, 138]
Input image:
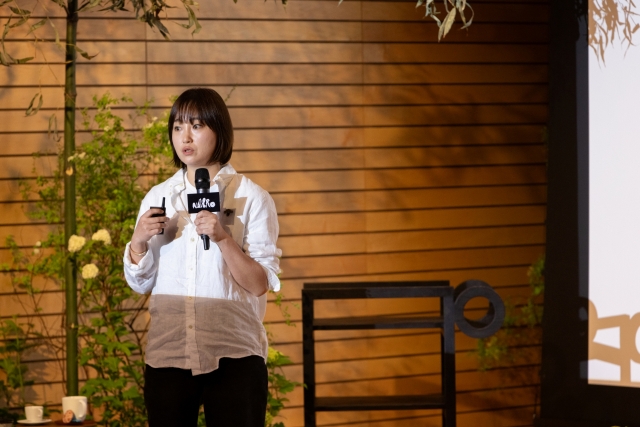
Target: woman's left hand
[209, 224]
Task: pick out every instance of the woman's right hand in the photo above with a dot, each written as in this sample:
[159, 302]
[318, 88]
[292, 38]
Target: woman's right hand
[148, 226]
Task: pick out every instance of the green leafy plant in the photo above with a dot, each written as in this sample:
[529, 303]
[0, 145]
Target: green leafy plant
[16, 339]
[520, 329]
[114, 170]
[279, 385]
[518, 341]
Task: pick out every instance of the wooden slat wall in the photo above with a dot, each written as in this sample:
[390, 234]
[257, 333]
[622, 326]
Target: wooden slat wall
[390, 157]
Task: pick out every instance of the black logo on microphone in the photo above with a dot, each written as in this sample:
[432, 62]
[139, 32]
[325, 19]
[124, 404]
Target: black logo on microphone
[203, 202]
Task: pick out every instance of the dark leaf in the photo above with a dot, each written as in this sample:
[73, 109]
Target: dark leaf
[22, 60]
[4, 60]
[84, 54]
[62, 4]
[55, 30]
[37, 25]
[31, 110]
[20, 12]
[20, 22]
[89, 5]
[53, 128]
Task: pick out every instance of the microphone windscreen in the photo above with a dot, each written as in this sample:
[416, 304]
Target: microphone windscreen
[202, 179]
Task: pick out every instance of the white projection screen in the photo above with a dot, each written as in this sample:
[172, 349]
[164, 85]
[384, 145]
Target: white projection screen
[614, 214]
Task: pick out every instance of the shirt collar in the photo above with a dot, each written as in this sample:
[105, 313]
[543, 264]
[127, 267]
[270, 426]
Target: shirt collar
[225, 175]
[177, 182]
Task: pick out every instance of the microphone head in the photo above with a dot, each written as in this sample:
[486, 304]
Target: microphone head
[202, 179]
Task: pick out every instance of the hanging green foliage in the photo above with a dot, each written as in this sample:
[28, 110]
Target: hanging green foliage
[521, 327]
[452, 8]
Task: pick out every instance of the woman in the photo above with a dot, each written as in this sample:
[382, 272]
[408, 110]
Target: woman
[206, 342]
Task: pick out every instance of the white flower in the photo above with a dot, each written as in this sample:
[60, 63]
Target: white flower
[154, 119]
[103, 236]
[76, 243]
[81, 155]
[38, 244]
[36, 251]
[70, 158]
[89, 271]
[107, 128]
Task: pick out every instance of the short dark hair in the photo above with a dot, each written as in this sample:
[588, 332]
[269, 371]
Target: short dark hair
[207, 106]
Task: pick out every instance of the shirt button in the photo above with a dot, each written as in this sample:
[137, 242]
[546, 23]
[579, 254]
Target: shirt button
[190, 298]
[190, 327]
[192, 239]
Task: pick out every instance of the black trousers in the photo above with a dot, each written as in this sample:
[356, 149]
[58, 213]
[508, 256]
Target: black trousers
[234, 395]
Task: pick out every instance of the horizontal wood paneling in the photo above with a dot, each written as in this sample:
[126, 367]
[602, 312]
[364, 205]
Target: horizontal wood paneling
[281, 139]
[361, 264]
[408, 241]
[390, 156]
[232, 74]
[516, 12]
[287, 117]
[482, 32]
[330, 223]
[455, 73]
[425, 53]
[339, 95]
[387, 220]
[511, 274]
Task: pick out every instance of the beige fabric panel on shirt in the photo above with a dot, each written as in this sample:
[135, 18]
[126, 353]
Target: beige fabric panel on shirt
[196, 332]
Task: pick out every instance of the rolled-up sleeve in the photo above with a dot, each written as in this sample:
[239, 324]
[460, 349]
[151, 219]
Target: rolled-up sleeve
[140, 277]
[261, 235]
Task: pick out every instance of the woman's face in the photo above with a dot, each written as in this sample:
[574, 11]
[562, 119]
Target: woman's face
[194, 143]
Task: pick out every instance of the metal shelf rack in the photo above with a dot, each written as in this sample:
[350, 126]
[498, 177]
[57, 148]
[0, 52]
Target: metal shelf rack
[364, 290]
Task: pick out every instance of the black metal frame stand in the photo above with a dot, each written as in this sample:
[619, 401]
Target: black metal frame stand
[362, 290]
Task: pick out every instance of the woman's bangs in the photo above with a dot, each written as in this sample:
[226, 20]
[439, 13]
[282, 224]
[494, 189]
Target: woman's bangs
[188, 112]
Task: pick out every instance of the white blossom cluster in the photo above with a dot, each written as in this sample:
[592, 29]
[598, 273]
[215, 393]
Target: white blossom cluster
[76, 243]
[89, 271]
[102, 235]
[78, 156]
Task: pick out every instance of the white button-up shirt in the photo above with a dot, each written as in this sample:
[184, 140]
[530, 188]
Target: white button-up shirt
[199, 313]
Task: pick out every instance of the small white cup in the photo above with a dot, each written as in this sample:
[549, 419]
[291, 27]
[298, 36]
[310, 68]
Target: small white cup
[76, 404]
[34, 413]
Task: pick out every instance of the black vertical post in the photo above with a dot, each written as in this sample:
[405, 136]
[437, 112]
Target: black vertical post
[448, 360]
[309, 360]
[70, 280]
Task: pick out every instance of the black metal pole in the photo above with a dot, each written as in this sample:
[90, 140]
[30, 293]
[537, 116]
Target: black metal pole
[71, 288]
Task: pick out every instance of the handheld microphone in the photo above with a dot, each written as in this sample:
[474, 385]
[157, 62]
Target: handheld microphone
[203, 183]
